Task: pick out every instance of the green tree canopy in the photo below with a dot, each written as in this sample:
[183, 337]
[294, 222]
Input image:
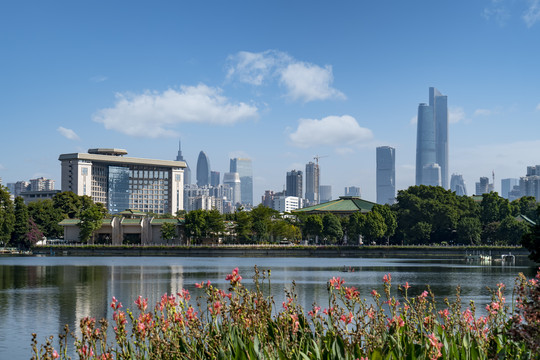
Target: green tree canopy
[374, 226]
[469, 230]
[312, 225]
[494, 208]
[531, 240]
[47, 217]
[332, 230]
[7, 216]
[20, 231]
[195, 224]
[168, 231]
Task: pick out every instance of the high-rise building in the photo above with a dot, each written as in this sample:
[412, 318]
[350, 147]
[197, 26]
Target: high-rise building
[244, 168]
[352, 191]
[122, 183]
[233, 180]
[483, 186]
[214, 178]
[457, 185]
[432, 139]
[507, 185]
[294, 183]
[203, 169]
[529, 185]
[312, 183]
[386, 175]
[187, 170]
[325, 193]
[41, 184]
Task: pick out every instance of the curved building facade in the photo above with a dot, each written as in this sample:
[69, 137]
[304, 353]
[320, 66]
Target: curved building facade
[203, 169]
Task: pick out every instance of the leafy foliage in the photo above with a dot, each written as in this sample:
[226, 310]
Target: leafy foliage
[239, 323]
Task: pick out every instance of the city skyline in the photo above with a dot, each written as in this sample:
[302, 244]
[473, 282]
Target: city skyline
[141, 81]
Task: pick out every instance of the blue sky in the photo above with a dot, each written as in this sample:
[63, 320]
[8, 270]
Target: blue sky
[279, 82]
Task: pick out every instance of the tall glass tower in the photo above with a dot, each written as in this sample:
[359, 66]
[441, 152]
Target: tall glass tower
[203, 169]
[432, 140]
[312, 183]
[244, 168]
[386, 175]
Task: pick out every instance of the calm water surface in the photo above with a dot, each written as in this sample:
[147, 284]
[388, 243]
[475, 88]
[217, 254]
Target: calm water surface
[41, 294]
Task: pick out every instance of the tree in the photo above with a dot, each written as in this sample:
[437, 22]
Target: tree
[469, 230]
[261, 221]
[421, 233]
[195, 224]
[20, 229]
[493, 208]
[389, 217]
[214, 223]
[91, 219]
[511, 231]
[242, 226]
[313, 225]
[525, 205]
[355, 225]
[332, 228]
[34, 234]
[7, 216]
[531, 240]
[374, 226]
[168, 231]
[46, 217]
[68, 203]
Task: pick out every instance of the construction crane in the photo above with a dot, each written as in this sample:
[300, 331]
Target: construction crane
[317, 157]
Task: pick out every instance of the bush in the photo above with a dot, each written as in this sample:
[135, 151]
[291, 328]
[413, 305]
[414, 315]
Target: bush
[245, 324]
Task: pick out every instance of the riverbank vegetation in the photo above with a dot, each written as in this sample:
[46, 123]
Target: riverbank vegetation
[403, 322]
[422, 215]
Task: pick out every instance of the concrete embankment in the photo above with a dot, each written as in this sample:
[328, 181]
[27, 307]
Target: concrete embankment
[285, 251]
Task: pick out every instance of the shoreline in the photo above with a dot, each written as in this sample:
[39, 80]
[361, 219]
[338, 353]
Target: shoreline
[457, 252]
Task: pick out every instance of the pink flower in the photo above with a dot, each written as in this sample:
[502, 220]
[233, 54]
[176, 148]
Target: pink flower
[351, 293]
[336, 282]
[347, 319]
[141, 303]
[387, 278]
[406, 286]
[374, 293]
[424, 294]
[115, 304]
[234, 278]
[314, 311]
[55, 355]
[199, 285]
[444, 313]
[217, 308]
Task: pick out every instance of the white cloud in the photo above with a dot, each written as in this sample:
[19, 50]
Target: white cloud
[482, 112]
[256, 68]
[496, 10]
[414, 120]
[303, 81]
[98, 79]
[532, 14]
[67, 133]
[2, 167]
[538, 107]
[308, 82]
[344, 151]
[153, 114]
[455, 114]
[331, 130]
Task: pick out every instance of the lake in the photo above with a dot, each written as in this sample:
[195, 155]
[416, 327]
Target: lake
[41, 294]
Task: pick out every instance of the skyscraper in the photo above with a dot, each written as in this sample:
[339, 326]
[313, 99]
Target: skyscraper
[187, 170]
[507, 185]
[294, 183]
[233, 180]
[214, 178]
[312, 183]
[325, 193]
[432, 140]
[203, 169]
[243, 167]
[386, 175]
[457, 185]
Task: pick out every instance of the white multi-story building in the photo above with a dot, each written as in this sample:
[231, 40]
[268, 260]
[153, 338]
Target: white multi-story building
[41, 184]
[285, 204]
[121, 183]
